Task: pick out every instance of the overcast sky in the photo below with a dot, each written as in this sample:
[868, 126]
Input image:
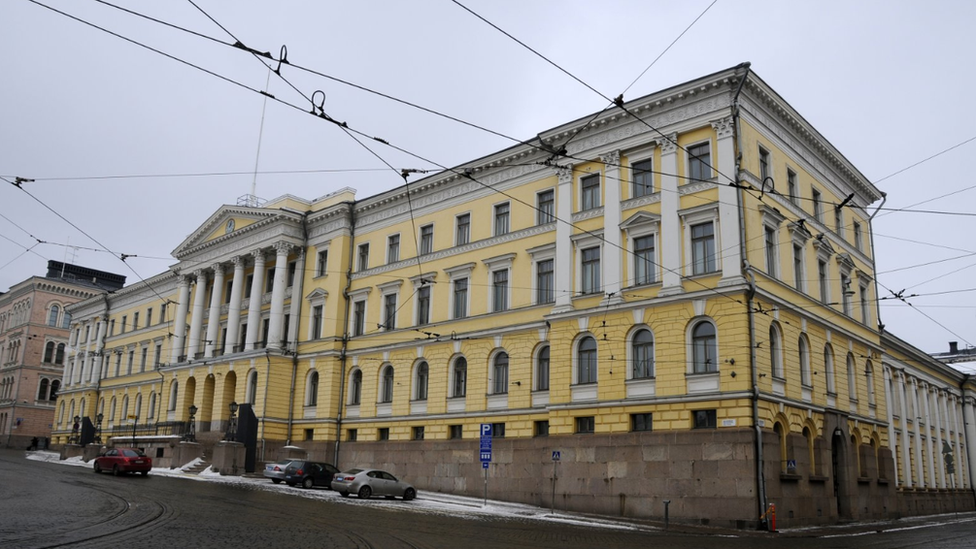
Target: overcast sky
[888, 83]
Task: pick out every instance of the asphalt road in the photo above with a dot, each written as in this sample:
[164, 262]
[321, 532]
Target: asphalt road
[46, 505]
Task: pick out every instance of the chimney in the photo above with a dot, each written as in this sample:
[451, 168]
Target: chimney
[954, 347]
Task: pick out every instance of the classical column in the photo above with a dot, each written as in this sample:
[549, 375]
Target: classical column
[213, 321]
[99, 347]
[179, 335]
[970, 419]
[277, 316]
[906, 462]
[937, 453]
[564, 245]
[918, 436]
[961, 477]
[671, 236]
[234, 311]
[892, 436]
[930, 461]
[728, 204]
[296, 302]
[196, 317]
[254, 305]
[611, 262]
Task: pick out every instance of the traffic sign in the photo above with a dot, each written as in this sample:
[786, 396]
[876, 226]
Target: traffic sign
[485, 450]
[484, 465]
[556, 455]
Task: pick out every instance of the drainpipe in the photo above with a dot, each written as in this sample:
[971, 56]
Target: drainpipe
[299, 285]
[264, 404]
[750, 294]
[345, 330]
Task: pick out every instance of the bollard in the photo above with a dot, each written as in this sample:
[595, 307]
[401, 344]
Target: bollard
[666, 503]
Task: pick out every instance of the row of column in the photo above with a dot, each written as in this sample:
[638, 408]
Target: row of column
[939, 417]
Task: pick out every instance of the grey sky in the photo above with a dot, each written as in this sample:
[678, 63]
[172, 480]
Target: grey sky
[885, 82]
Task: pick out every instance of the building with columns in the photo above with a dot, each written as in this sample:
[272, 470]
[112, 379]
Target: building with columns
[676, 294]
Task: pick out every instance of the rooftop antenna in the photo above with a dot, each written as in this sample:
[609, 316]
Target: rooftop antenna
[251, 199]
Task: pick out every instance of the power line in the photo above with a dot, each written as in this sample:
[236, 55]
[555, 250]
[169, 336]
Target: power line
[940, 153]
[204, 174]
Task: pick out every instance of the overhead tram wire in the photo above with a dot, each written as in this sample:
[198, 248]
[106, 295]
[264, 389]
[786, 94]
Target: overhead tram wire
[205, 174]
[924, 160]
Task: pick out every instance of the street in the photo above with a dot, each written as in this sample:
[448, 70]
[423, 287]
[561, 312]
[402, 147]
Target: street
[53, 505]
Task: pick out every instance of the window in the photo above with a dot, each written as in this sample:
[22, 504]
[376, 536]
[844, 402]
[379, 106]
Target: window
[462, 234]
[356, 389]
[542, 369]
[798, 273]
[49, 352]
[389, 311]
[252, 388]
[501, 219]
[269, 280]
[642, 352]
[586, 361]
[541, 428]
[643, 178]
[387, 385]
[869, 380]
[359, 318]
[66, 320]
[590, 192]
[125, 320]
[704, 351]
[158, 355]
[499, 379]
[143, 359]
[292, 269]
[111, 328]
[771, 262]
[247, 286]
[858, 237]
[151, 410]
[456, 432]
[851, 378]
[803, 349]
[499, 290]
[544, 280]
[699, 163]
[363, 257]
[846, 293]
[461, 298]
[316, 322]
[498, 430]
[423, 305]
[546, 207]
[129, 362]
[829, 369]
[309, 434]
[323, 263]
[791, 185]
[705, 419]
[59, 355]
[383, 433]
[585, 425]
[42, 389]
[641, 422]
[312, 396]
[426, 239]
[52, 319]
[822, 277]
[703, 248]
[839, 221]
[590, 270]
[644, 260]
[420, 381]
[865, 310]
[817, 206]
[118, 363]
[418, 432]
[352, 435]
[393, 248]
[460, 374]
[173, 390]
[763, 165]
[775, 353]
[135, 321]
[149, 311]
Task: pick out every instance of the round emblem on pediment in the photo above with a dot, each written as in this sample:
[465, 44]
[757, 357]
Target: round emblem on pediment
[230, 225]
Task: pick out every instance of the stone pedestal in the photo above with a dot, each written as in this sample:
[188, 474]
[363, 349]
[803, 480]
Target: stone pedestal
[228, 458]
[187, 452]
[91, 452]
[72, 450]
[292, 452]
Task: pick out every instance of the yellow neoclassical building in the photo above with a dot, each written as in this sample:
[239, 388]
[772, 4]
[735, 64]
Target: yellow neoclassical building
[674, 297]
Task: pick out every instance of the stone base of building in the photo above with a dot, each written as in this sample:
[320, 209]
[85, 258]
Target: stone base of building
[935, 502]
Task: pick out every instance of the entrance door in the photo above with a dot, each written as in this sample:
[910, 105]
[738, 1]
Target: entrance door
[837, 471]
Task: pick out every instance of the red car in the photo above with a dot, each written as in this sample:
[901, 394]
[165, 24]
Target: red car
[123, 460]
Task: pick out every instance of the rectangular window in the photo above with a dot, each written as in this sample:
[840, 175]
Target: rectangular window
[135, 321]
[822, 277]
[839, 221]
[771, 252]
[149, 316]
[791, 185]
[858, 237]
[383, 433]
[125, 320]
[644, 260]
[704, 419]
[462, 235]
[309, 434]
[590, 192]
[498, 430]
[323, 264]
[461, 298]
[426, 239]
[359, 318]
[546, 207]
[643, 178]
[817, 206]
[159, 355]
[499, 290]
[269, 280]
[317, 321]
[590, 267]
[865, 310]
[265, 328]
[703, 248]
[423, 305]
[544, 280]
[129, 362]
[418, 432]
[352, 435]
[162, 312]
[292, 268]
[640, 422]
[699, 163]
[393, 248]
[143, 359]
[541, 428]
[585, 425]
[457, 432]
[763, 165]
[363, 257]
[846, 294]
[247, 286]
[389, 311]
[111, 330]
[501, 219]
[798, 274]
[227, 294]
[118, 363]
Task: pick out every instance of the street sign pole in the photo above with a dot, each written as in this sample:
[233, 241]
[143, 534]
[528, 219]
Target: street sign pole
[485, 454]
[556, 456]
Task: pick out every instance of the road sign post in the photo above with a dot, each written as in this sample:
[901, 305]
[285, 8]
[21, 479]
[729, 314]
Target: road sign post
[556, 456]
[485, 454]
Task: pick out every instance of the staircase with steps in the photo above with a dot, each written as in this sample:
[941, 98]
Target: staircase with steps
[199, 467]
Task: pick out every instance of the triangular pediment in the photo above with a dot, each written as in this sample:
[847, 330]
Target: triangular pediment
[640, 218]
[317, 293]
[226, 222]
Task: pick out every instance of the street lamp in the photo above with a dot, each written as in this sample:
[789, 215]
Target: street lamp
[98, 428]
[231, 434]
[74, 429]
[191, 432]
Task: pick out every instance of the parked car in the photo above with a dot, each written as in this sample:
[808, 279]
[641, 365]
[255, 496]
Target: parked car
[123, 460]
[276, 471]
[367, 483]
[309, 473]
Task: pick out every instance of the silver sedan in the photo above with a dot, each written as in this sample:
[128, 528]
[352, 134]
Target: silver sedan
[276, 471]
[367, 483]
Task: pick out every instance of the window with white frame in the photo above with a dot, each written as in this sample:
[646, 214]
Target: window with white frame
[699, 162]
[590, 192]
[542, 369]
[764, 170]
[502, 225]
[423, 305]
[322, 263]
[499, 374]
[823, 280]
[829, 369]
[839, 220]
[590, 270]
[386, 384]
[776, 352]
[869, 380]
[174, 387]
[252, 387]
[858, 236]
[545, 207]
[642, 175]
[642, 354]
[704, 348]
[791, 186]
[316, 322]
[389, 311]
[499, 268]
[462, 231]
[644, 260]
[460, 298]
[586, 364]
[363, 257]
[703, 248]
[545, 281]
[392, 248]
[846, 293]
[426, 239]
[865, 300]
[420, 379]
[817, 205]
[52, 319]
[356, 387]
[851, 378]
[359, 317]
[799, 271]
[459, 377]
[803, 350]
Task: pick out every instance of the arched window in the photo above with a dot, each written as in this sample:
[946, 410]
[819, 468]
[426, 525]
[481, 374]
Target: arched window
[49, 352]
[66, 320]
[252, 387]
[869, 379]
[586, 361]
[542, 369]
[42, 389]
[460, 377]
[811, 455]
[151, 411]
[125, 409]
[851, 378]
[387, 385]
[111, 410]
[312, 389]
[420, 381]
[55, 387]
[356, 392]
[775, 353]
[174, 388]
[499, 374]
[781, 434]
[71, 412]
[61, 413]
[52, 317]
[804, 351]
[137, 408]
[829, 369]
[704, 349]
[59, 356]
[642, 353]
